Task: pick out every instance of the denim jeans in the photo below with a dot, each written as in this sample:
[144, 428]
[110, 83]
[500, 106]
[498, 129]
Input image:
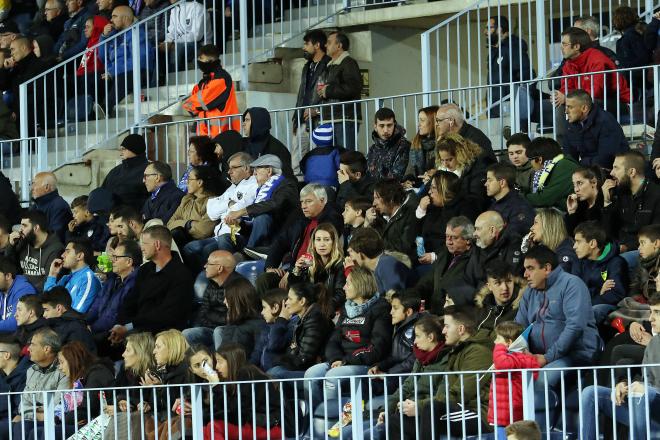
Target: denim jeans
[262, 226]
[550, 380]
[197, 252]
[602, 396]
[199, 335]
[345, 134]
[315, 387]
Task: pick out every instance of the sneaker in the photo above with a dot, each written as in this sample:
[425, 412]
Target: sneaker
[256, 253]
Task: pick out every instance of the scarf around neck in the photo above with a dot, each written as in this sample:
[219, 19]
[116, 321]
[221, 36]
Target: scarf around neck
[427, 357]
[540, 176]
[354, 309]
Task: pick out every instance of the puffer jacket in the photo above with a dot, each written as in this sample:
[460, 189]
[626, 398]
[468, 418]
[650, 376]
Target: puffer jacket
[364, 339]
[71, 326]
[492, 313]
[245, 333]
[388, 159]
[308, 341]
[401, 358]
[399, 231]
[193, 209]
[609, 266]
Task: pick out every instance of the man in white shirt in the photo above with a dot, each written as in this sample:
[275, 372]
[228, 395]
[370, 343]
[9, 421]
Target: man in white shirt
[188, 24]
[240, 194]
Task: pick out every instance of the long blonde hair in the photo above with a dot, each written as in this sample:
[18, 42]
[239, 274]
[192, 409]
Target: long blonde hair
[143, 346]
[554, 227]
[336, 256]
[176, 346]
[464, 150]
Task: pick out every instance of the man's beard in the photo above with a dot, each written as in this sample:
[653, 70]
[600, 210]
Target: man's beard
[30, 238]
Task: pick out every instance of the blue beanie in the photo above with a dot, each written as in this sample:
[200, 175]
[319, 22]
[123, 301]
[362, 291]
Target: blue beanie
[322, 135]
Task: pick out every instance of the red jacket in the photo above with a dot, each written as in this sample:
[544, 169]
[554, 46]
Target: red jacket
[504, 360]
[90, 61]
[593, 60]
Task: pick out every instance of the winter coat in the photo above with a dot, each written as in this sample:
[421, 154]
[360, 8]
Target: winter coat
[593, 60]
[238, 196]
[506, 248]
[261, 142]
[282, 202]
[162, 202]
[493, 313]
[118, 52]
[566, 255]
[308, 342]
[90, 61]
[509, 61]
[24, 333]
[193, 209]
[627, 213]
[163, 299]
[9, 206]
[349, 190]
[307, 91]
[524, 175]
[509, 407]
[188, 21]
[557, 186]
[273, 343]
[287, 244]
[401, 358]
[477, 136]
[72, 40]
[388, 159]
[391, 273]
[320, 165]
[95, 231]
[471, 182]
[39, 379]
[596, 140]
[609, 266]
[516, 212]
[433, 225]
[422, 159]
[333, 281]
[343, 83]
[81, 284]
[642, 283]
[632, 51]
[652, 35]
[213, 311]
[125, 182]
[71, 326]
[399, 231]
[246, 333]
[446, 276]
[101, 374]
[19, 288]
[102, 315]
[57, 212]
[35, 263]
[14, 383]
[584, 214]
[563, 319]
[363, 340]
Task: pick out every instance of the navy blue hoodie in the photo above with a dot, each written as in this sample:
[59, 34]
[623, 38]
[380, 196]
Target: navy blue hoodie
[609, 266]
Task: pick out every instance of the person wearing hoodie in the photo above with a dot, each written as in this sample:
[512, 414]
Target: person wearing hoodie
[214, 96]
[499, 298]
[67, 323]
[49, 201]
[34, 248]
[517, 150]
[13, 369]
[91, 66]
[12, 287]
[42, 46]
[258, 141]
[388, 156]
[126, 180]
[601, 267]
[165, 196]
[81, 283]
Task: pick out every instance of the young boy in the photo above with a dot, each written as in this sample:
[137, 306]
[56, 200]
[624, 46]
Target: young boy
[86, 225]
[354, 214]
[517, 149]
[275, 340]
[503, 359]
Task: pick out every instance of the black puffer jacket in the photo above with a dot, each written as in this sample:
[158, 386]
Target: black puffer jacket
[213, 311]
[245, 333]
[364, 339]
[492, 313]
[399, 232]
[308, 341]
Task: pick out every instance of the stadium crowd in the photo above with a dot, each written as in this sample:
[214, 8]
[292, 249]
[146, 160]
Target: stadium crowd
[424, 255]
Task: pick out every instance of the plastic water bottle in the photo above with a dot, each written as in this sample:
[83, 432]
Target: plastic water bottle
[419, 241]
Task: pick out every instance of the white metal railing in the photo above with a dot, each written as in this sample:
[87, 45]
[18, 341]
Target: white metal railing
[560, 400]
[21, 159]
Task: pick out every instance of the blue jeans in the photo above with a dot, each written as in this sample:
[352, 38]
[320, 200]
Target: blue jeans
[262, 226]
[602, 311]
[199, 335]
[197, 252]
[315, 387]
[549, 379]
[345, 134]
[602, 396]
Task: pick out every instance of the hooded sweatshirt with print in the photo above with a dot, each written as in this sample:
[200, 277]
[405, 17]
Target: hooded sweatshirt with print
[35, 262]
[19, 288]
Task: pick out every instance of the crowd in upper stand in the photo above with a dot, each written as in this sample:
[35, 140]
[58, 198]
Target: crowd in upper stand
[428, 255]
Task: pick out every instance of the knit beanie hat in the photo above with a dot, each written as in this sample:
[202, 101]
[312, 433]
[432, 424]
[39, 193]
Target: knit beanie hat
[322, 135]
[134, 143]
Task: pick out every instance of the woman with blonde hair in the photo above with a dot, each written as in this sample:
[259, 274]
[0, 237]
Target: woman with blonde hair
[422, 149]
[549, 229]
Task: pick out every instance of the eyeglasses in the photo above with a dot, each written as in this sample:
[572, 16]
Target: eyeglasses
[117, 257]
[145, 175]
[439, 120]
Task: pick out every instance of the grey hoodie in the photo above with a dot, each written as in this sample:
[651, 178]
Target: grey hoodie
[35, 262]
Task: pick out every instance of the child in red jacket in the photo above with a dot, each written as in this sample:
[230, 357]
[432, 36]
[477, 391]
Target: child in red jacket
[509, 408]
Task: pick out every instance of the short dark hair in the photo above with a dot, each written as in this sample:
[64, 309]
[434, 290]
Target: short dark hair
[543, 147]
[409, 300]
[83, 246]
[578, 36]
[342, 39]
[274, 296]
[509, 330]
[542, 255]
[36, 218]
[592, 230]
[502, 22]
[5, 224]
[49, 338]
[354, 160]
[652, 232]
[210, 50]
[7, 266]
[498, 270]
[464, 315]
[80, 202]
[504, 171]
[654, 299]
[359, 203]
[524, 430]
[163, 169]
[11, 345]
[635, 160]
[57, 296]
[127, 213]
[519, 139]
[367, 241]
[391, 191]
[431, 324]
[582, 96]
[160, 233]
[384, 114]
[33, 303]
[132, 250]
[315, 36]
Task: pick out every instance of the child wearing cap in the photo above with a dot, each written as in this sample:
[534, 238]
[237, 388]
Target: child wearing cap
[320, 165]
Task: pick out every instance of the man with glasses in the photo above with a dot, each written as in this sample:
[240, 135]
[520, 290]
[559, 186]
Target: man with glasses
[53, 25]
[514, 209]
[125, 180]
[449, 119]
[165, 196]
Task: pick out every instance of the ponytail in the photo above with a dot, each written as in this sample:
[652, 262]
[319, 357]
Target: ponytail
[315, 293]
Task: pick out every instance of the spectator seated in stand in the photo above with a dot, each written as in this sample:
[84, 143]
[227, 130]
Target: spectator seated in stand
[14, 367]
[321, 164]
[201, 151]
[52, 21]
[126, 180]
[449, 119]
[165, 197]
[396, 209]
[549, 230]
[87, 226]
[48, 200]
[69, 324]
[422, 148]
[258, 141]
[354, 215]
[353, 178]
[631, 49]
[517, 152]
[278, 335]
[29, 319]
[388, 155]
[551, 181]
[72, 41]
[511, 205]
[12, 288]
[157, 26]
[586, 202]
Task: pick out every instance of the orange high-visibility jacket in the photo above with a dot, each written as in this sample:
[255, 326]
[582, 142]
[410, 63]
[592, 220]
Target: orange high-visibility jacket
[214, 96]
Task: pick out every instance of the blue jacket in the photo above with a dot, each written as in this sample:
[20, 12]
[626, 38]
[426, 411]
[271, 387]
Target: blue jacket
[273, 343]
[102, 315]
[390, 274]
[609, 266]
[564, 325]
[596, 140]
[81, 284]
[320, 165]
[19, 288]
[117, 53]
[14, 383]
[163, 204]
[57, 212]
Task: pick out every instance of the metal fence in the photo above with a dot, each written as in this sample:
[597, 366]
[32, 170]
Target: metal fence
[446, 405]
[21, 159]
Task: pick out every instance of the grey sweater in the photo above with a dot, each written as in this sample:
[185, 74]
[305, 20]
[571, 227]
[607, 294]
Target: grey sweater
[41, 379]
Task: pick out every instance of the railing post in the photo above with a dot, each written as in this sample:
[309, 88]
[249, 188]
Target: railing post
[49, 416]
[648, 9]
[137, 85]
[426, 68]
[514, 108]
[356, 407]
[22, 106]
[528, 394]
[243, 30]
[542, 56]
[656, 95]
[347, 4]
[197, 411]
[26, 175]
[42, 153]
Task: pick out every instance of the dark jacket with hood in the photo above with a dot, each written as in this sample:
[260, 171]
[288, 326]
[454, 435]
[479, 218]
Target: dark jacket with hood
[365, 339]
[401, 358]
[584, 214]
[9, 206]
[125, 182]
[13, 383]
[213, 311]
[71, 326]
[516, 212]
[566, 255]
[388, 159]
[307, 92]
[95, 231]
[596, 140]
[57, 212]
[19, 288]
[245, 333]
[273, 343]
[506, 248]
[609, 266]
[72, 41]
[343, 83]
[493, 313]
[433, 225]
[308, 342]
[261, 142]
[399, 231]
[102, 315]
[478, 137]
[163, 202]
[286, 245]
[348, 190]
[472, 180]
[35, 263]
[24, 333]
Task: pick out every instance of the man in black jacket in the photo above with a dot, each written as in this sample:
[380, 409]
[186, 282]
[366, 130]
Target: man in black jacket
[14, 368]
[343, 83]
[165, 196]
[514, 208]
[68, 324]
[49, 201]
[125, 180]
[353, 178]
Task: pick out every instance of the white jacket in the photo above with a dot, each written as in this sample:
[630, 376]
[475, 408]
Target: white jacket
[235, 198]
[187, 23]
